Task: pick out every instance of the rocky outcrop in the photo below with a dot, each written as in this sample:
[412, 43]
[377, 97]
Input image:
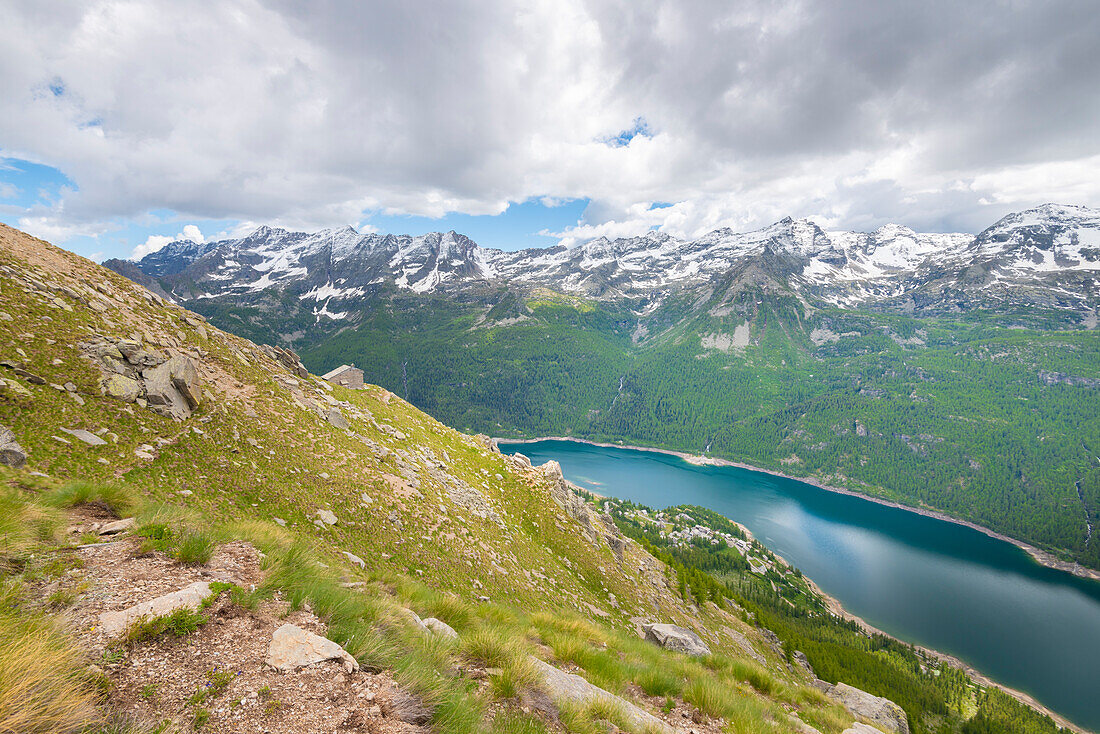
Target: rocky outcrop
[574, 506]
[293, 647]
[113, 624]
[11, 453]
[287, 359]
[564, 686]
[884, 713]
[136, 373]
[671, 637]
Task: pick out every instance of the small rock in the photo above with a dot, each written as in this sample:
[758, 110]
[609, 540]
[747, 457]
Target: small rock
[355, 559]
[279, 521]
[116, 527]
[336, 418]
[29, 377]
[89, 438]
[860, 728]
[293, 647]
[113, 624]
[327, 517]
[574, 689]
[123, 388]
[440, 628]
[413, 618]
[671, 637]
[13, 386]
[11, 453]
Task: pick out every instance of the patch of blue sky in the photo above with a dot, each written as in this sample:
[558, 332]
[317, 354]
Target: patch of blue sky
[638, 128]
[24, 184]
[29, 189]
[517, 228]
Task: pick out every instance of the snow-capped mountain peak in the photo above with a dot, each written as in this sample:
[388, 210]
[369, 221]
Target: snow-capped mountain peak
[1053, 247]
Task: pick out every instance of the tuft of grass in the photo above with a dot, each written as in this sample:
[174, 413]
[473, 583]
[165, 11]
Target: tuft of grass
[492, 647]
[216, 683]
[114, 498]
[709, 696]
[60, 598]
[202, 716]
[659, 681]
[519, 675]
[195, 548]
[24, 526]
[180, 623]
[512, 722]
[42, 685]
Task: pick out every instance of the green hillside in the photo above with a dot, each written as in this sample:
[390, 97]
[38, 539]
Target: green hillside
[994, 419]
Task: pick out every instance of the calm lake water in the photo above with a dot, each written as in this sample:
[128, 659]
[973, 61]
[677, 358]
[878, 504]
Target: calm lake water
[923, 580]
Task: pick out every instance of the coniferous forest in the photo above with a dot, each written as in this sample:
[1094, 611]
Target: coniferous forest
[991, 418]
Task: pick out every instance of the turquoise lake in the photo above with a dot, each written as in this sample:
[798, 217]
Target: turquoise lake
[923, 580]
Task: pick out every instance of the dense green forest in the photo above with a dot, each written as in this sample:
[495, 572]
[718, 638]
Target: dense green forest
[937, 698]
[995, 419]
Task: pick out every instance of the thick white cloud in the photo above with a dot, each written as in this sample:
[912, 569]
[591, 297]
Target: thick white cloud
[938, 114]
[156, 242]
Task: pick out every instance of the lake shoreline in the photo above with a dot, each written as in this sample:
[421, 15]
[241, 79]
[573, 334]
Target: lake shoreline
[834, 605]
[1042, 557]
[973, 673]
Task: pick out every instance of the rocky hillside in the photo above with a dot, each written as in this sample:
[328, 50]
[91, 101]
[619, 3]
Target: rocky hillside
[200, 535]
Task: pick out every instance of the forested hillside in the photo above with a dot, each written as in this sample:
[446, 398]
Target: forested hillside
[971, 415]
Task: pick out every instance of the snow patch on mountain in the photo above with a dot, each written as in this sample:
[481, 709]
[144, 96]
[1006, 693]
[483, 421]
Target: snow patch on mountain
[1055, 246]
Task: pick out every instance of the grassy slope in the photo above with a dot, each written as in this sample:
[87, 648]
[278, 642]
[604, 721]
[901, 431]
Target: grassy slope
[256, 450]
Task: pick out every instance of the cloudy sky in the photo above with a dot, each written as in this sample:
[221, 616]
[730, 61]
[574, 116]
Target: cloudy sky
[126, 124]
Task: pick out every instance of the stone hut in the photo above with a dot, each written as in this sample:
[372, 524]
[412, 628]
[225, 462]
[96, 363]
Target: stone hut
[346, 375]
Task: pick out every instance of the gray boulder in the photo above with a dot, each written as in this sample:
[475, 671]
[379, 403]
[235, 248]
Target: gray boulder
[336, 418]
[574, 689]
[440, 628]
[113, 624]
[87, 437]
[293, 647]
[118, 526]
[173, 388]
[671, 637]
[11, 453]
[882, 712]
[185, 378]
[128, 348]
[124, 388]
[860, 728]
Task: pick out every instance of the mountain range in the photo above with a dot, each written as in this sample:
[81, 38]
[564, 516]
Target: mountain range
[952, 372]
[1046, 257]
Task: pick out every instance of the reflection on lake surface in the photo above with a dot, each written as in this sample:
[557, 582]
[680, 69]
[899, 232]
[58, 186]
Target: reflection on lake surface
[923, 580]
